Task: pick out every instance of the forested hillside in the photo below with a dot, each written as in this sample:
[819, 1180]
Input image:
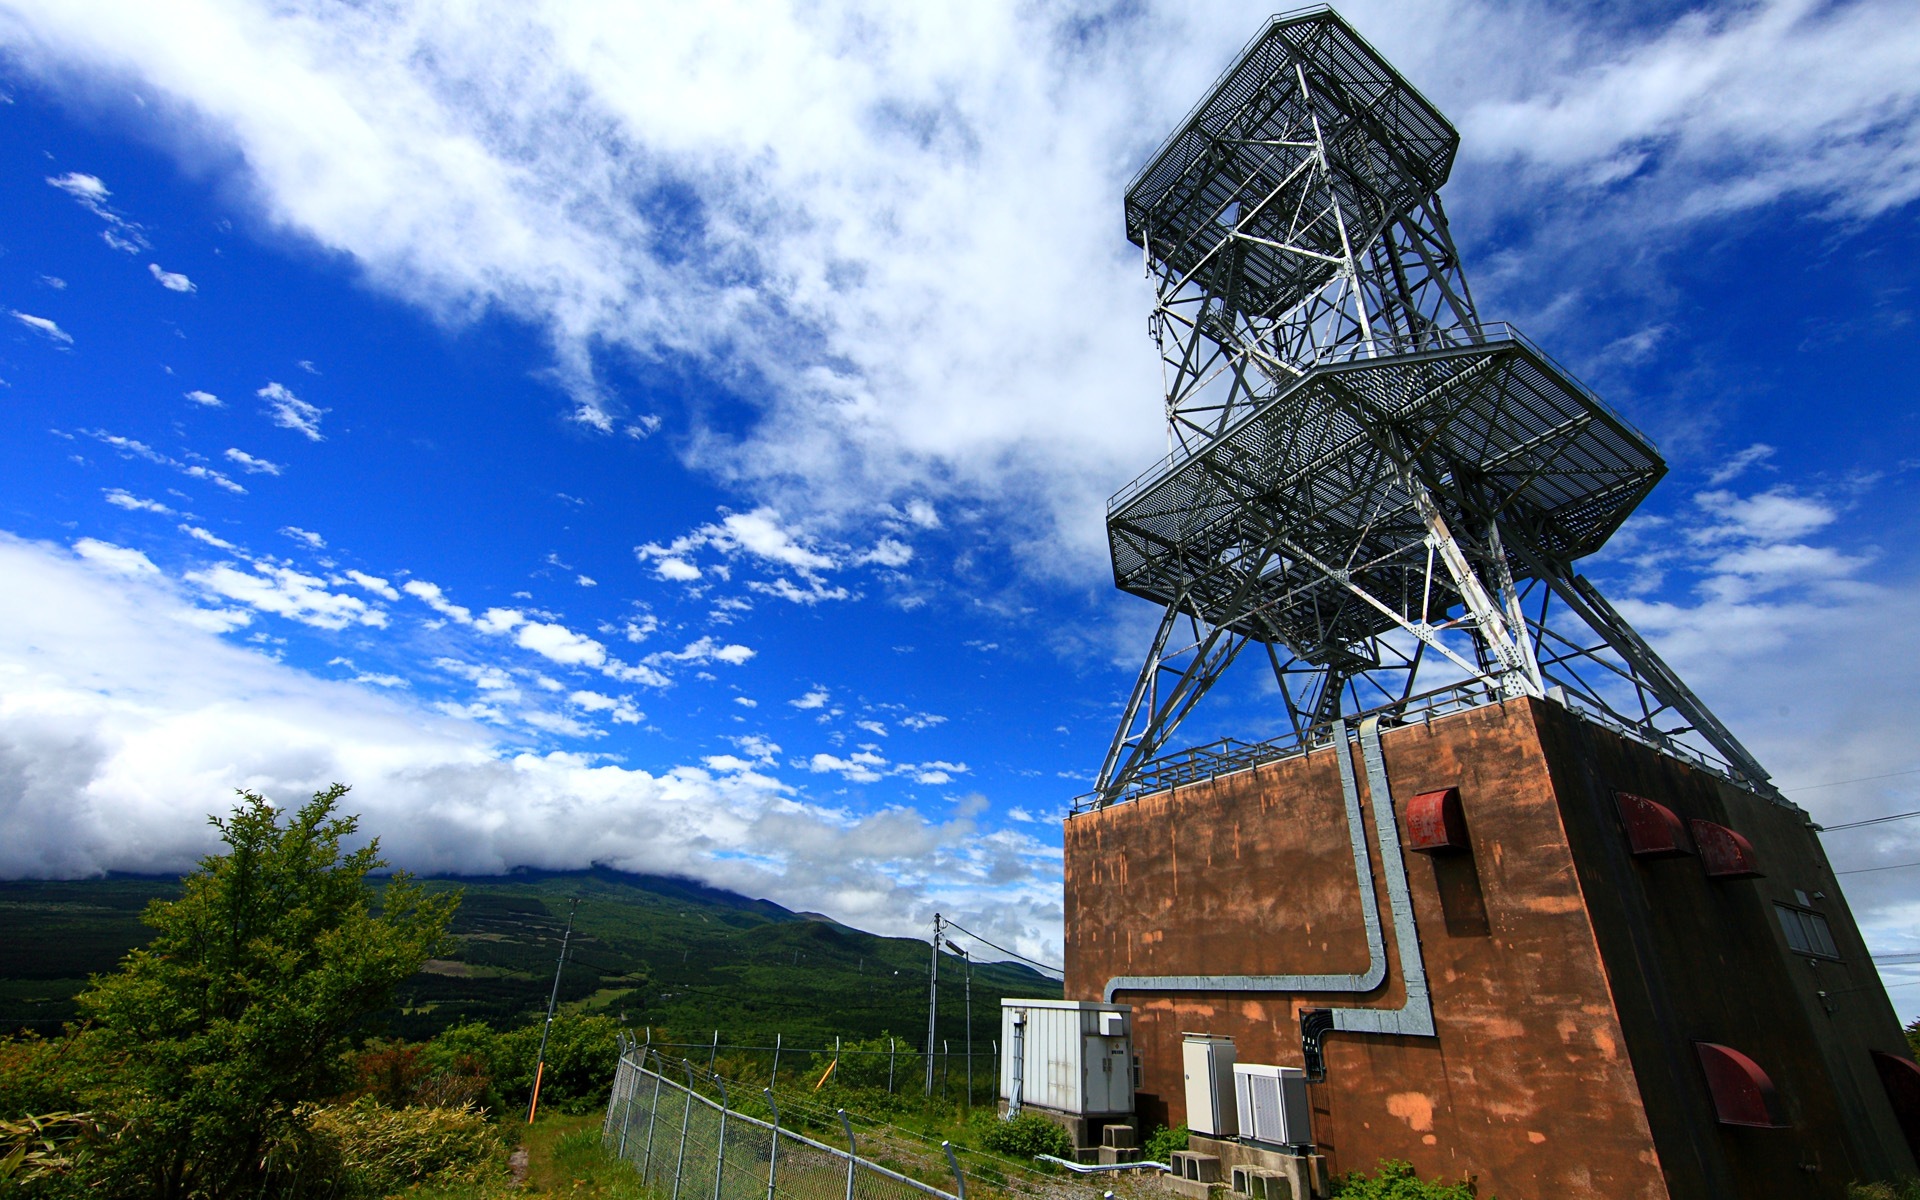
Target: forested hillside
[646, 950]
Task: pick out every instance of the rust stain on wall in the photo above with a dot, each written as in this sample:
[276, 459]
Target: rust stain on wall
[1566, 985]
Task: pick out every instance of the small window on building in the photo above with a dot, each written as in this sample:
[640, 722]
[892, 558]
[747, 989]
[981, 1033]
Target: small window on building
[1807, 931]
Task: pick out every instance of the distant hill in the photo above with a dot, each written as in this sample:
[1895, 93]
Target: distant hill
[647, 950]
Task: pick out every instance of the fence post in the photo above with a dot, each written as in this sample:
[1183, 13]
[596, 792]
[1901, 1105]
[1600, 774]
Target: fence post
[853, 1154]
[775, 1077]
[890, 1051]
[773, 1154]
[713, 1053]
[686, 1115]
[653, 1118]
[946, 1066]
[959, 1180]
[720, 1155]
[613, 1096]
[626, 1112]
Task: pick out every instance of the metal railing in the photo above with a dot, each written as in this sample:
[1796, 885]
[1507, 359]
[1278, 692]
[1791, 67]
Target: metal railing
[1211, 760]
[687, 1145]
[1487, 334]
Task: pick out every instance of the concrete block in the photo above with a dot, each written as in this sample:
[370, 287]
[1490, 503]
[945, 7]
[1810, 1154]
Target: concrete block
[1271, 1185]
[1191, 1189]
[1202, 1167]
[1109, 1155]
[1119, 1137]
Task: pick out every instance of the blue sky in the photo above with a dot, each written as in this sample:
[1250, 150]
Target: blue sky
[678, 439]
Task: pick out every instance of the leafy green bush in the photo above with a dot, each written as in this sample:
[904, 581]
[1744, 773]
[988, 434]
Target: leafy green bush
[1396, 1181]
[39, 1075]
[1904, 1189]
[209, 1042]
[1162, 1142]
[1027, 1136]
[580, 1061]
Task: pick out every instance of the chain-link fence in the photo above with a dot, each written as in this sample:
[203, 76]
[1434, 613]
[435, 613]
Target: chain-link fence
[688, 1145]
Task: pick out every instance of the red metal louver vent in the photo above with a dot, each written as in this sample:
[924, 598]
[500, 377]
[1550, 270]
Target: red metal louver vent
[1901, 1078]
[1436, 824]
[1653, 831]
[1724, 853]
[1742, 1093]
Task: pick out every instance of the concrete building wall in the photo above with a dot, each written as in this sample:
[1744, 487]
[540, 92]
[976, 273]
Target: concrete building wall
[1569, 980]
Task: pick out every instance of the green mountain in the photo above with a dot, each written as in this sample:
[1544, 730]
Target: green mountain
[647, 950]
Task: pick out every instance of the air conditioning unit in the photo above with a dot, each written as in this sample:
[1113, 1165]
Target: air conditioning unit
[1209, 1070]
[1273, 1104]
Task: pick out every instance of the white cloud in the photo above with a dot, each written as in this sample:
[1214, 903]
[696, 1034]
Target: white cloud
[292, 594]
[817, 698]
[134, 448]
[915, 267]
[638, 629]
[702, 651]
[860, 767]
[815, 591]
[431, 595]
[291, 412]
[91, 194]
[201, 535]
[118, 559]
[587, 581]
[1725, 109]
[746, 702]
[887, 553]
[252, 465]
[871, 726]
[214, 477]
[305, 537]
[677, 570]
[922, 721]
[1774, 515]
[499, 620]
[374, 584]
[560, 644]
[44, 326]
[121, 727]
[121, 498]
[173, 281]
[88, 189]
[1738, 464]
[485, 677]
[206, 399]
[619, 708]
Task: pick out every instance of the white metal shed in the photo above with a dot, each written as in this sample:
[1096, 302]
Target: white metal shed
[1071, 1056]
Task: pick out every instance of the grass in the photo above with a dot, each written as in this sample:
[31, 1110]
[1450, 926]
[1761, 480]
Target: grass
[564, 1158]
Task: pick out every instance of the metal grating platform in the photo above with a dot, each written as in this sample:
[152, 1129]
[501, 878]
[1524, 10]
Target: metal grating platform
[1241, 158]
[1494, 429]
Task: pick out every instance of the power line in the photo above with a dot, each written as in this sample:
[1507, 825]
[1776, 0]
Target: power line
[1870, 821]
[1047, 966]
[1862, 779]
[1890, 867]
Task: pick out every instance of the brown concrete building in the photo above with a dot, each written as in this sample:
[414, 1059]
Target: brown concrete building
[1585, 981]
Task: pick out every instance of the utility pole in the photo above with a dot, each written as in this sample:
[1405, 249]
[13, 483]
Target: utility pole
[540, 1062]
[933, 999]
[968, 960]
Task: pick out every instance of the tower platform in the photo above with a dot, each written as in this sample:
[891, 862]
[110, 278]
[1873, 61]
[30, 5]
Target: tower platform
[1590, 943]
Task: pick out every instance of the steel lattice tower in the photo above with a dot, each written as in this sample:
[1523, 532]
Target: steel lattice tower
[1381, 490]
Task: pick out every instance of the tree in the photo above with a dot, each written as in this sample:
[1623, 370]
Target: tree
[240, 1008]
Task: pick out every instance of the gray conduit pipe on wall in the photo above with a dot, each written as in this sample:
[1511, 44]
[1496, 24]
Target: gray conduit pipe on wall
[1414, 1018]
[1366, 981]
